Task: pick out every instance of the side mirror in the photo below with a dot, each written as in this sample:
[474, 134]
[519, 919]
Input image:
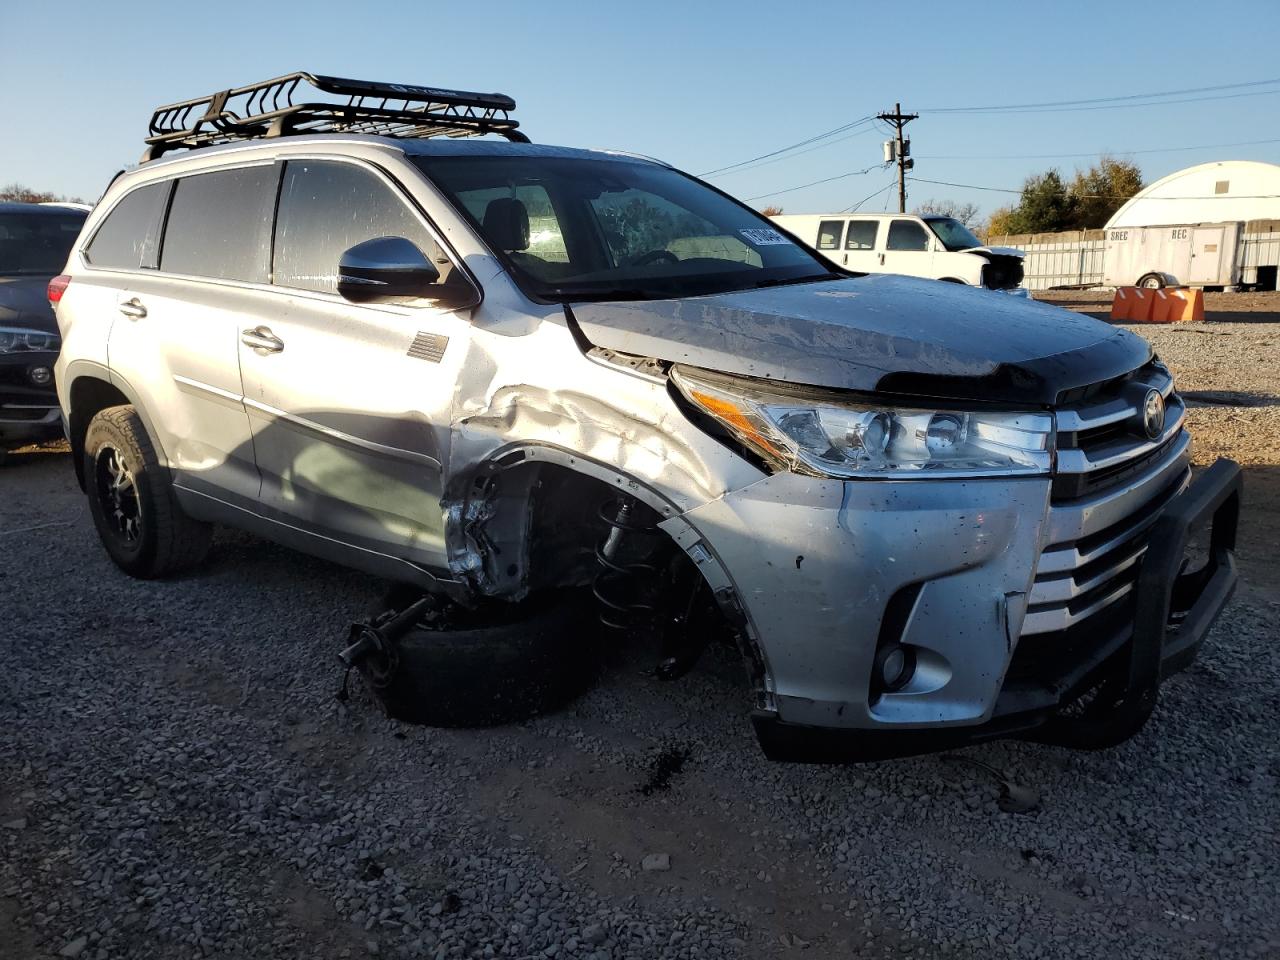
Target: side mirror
[388, 269]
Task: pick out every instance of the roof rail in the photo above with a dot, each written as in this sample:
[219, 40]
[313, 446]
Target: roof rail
[267, 109]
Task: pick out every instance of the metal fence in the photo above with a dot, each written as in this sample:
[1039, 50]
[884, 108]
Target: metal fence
[1074, 258]
[1260, 253]
[1070, 259]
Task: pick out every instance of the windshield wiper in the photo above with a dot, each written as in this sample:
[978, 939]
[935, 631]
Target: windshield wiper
[601, 293]
[813, 278]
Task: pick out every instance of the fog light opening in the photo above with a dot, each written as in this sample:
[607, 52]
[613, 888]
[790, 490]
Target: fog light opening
[895, 665]
[40, 376]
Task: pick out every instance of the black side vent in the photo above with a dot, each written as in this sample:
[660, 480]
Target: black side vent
[428, 346]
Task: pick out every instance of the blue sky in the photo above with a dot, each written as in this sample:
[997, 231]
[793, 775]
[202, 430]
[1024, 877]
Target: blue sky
[699, 84]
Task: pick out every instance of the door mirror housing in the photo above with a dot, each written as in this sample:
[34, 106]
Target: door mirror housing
[393, 269]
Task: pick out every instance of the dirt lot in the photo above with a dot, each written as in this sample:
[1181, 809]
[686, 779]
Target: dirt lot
[177, 779]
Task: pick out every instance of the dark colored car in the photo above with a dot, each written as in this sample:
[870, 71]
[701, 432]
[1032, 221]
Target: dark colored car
[35, 240]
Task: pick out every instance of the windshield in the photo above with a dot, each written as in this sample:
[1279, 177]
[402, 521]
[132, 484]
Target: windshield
[581, 229]
[953, 234]
[37, 243]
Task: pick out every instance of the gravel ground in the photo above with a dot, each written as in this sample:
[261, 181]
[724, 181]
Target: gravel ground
[178, 780]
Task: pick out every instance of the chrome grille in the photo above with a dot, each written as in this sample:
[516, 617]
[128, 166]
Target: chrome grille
[1102, 443]
[1111, 483]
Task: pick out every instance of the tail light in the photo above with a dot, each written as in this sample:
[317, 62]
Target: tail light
[57, 286]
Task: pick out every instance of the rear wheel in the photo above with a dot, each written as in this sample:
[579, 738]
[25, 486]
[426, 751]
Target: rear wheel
[132, 500]
[1151, 281]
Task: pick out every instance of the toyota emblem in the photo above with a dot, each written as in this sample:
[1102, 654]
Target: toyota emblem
[1153, 414]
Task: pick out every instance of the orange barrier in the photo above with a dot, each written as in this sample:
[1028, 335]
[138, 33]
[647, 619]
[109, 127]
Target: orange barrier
[1187, 305]
[1132, 303]
[1174, 305]
[1163, 307]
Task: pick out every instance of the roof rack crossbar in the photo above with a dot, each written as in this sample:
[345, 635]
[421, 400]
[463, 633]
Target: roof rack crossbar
[267, 109]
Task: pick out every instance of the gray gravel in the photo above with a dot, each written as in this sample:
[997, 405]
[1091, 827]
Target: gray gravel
[177, 780]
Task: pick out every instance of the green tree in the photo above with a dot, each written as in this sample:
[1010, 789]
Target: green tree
[1102, 189]
[1045, 205]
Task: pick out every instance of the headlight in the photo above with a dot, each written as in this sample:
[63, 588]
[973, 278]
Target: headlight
[18, 340]
[824, 435]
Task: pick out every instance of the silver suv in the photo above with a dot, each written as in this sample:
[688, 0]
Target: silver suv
[929, 514]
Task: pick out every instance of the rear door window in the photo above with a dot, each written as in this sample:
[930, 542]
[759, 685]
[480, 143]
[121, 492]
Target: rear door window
[326, 207]
[829, 234]
[907, 235]
[220, 224]
[129, 237]
[862, 235]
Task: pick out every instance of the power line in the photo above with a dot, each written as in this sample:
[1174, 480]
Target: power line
[838, 176]
[800, 153]
[1095, 153]
[869, 196]
[774, 153]
[1149, 103]
[1092, 102]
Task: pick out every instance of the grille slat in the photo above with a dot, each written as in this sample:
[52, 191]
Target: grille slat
[1111, 483]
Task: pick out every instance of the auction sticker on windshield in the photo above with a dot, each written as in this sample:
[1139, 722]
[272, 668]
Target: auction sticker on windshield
[763, 236]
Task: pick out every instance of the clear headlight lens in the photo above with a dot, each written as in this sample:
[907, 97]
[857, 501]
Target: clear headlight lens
[828, 437]
[18, 340]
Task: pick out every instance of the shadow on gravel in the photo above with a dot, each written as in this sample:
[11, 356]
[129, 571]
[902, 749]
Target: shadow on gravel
[1228, 398]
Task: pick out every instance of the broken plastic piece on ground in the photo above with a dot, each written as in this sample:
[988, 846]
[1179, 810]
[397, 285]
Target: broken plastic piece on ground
[1014, 798]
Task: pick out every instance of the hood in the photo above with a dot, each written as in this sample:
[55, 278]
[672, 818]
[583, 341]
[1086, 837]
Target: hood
[878, 333]
[998, 251]
[24, 302]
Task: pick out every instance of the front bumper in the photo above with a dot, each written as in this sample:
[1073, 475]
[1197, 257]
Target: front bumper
[977, 556]
[29, 413]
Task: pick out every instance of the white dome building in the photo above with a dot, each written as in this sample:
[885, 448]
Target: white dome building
[1227, 190]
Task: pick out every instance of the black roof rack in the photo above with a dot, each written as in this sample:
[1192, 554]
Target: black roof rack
[267, 109]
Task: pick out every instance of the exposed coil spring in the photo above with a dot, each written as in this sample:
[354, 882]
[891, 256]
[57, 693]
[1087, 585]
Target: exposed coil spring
[623, 586]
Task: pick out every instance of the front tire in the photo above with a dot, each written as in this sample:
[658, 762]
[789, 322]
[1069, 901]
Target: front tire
[132, 500]
[1151, 281]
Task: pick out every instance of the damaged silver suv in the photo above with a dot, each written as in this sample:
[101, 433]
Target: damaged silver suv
[928, 514]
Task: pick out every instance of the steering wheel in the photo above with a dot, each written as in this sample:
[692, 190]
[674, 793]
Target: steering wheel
[653, 256]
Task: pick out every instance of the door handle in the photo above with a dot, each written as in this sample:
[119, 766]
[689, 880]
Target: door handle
[133, 309]
[882, 259]
[262, 340]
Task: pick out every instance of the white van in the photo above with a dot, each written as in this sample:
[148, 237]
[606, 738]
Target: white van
[941, 248]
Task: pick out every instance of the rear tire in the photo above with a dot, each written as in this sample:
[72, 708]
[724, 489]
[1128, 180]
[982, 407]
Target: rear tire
[132, 500]
[480, 671]
[1151, 281]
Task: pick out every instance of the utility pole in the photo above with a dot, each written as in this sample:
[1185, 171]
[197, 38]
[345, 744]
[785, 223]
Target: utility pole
[900, 149]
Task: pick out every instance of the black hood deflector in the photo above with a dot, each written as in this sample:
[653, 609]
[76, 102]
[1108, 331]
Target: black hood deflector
[878, 333]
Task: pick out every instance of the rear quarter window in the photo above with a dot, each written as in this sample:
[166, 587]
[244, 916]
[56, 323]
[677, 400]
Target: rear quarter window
[129, 237]
[220, 224]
